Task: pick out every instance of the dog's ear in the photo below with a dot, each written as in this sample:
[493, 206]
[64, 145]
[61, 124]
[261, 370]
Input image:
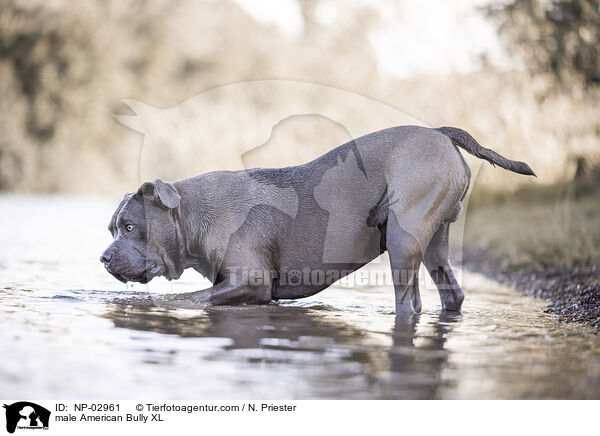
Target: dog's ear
[165, 192]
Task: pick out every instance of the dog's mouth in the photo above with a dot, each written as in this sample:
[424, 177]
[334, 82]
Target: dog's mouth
[148, 274]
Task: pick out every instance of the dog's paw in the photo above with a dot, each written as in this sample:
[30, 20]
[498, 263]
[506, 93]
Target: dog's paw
[199, 297]
[188, 299]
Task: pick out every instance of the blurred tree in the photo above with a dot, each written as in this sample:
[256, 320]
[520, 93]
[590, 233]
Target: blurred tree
[560, 37]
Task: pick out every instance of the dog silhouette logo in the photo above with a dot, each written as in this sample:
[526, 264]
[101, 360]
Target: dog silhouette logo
[26, 415]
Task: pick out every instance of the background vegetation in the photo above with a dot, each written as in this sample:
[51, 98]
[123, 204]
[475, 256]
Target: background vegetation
[64, 67]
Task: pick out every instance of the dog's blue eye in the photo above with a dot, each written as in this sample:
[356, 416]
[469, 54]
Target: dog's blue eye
[130, 227]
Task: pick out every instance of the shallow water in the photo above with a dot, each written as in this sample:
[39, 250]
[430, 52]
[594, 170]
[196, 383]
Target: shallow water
[69, 330]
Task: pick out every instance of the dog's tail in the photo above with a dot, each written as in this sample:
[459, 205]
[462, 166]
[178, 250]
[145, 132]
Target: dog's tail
[462, 139]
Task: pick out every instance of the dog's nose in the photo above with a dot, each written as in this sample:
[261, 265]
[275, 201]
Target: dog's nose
[105, 258]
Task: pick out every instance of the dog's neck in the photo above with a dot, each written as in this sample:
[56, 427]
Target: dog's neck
[205, 228]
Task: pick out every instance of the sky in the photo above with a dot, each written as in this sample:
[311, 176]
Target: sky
[432, 36]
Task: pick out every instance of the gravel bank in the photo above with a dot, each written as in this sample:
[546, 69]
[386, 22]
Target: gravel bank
[573, 293]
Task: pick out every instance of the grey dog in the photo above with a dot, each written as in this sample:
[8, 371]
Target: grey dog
[266, 234]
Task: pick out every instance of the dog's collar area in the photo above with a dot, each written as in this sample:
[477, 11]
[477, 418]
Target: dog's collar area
[180, 239]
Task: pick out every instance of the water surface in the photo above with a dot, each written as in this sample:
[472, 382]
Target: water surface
[69, 330]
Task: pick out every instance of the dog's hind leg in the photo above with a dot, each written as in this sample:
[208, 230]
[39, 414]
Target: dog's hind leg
[438, 265]
[405, 259]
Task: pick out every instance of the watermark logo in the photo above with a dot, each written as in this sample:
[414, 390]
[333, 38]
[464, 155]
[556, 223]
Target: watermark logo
[328, 206]
[24, 415]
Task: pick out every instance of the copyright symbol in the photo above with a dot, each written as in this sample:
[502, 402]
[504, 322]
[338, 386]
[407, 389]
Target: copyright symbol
[139, 407]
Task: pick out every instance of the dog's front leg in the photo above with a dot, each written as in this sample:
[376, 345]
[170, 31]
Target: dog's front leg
[227, 292]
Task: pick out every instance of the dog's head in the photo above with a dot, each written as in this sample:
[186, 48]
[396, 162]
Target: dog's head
[147, 235]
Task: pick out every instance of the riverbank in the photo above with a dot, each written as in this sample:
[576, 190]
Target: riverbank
[573, 293]
[545, 243]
